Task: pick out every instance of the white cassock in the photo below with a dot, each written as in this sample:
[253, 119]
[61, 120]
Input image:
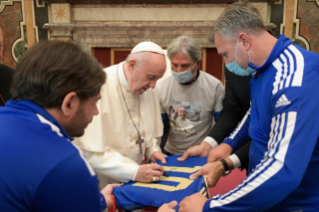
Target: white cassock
[109, 142]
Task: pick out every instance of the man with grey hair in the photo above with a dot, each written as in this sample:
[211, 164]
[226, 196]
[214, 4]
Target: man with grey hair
[129, 126]
[283, 121]
[195, 96]
[6, 74]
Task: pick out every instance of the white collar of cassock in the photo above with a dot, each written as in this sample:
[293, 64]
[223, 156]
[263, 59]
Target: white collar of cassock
[122, 78]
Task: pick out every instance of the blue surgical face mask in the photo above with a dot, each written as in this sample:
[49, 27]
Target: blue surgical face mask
[236, 69]
[184, 76]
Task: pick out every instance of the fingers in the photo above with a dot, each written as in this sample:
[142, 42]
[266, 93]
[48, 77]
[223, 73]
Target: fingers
[115, 185]
[196, 174]
[163, 160]
[172, 204]
[212, 157]
[184, 156]
[157, 167]
[156, 173]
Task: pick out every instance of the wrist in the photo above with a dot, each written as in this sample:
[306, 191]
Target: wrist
[206, 145]
[229, 163]
[108, 200]
[226, 169]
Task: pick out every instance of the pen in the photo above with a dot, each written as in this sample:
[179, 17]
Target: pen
[164, 173]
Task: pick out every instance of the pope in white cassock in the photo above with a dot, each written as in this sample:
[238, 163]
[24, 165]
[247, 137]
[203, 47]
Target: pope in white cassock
[129, 125]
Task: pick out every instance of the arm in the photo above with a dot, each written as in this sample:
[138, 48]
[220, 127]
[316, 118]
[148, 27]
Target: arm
[70, 186]
[166, 126]
[154, 151]
[282, 168]
[112, 164]
[230, 115]
[242, 155]
[220, 94]
[6, 75]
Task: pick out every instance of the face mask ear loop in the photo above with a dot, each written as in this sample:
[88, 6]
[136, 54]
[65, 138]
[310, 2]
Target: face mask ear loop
[248, 55]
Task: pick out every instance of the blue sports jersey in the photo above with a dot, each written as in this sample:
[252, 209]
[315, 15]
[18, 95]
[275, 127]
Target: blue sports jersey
[176, 186]
[283, 123]
[40, 169]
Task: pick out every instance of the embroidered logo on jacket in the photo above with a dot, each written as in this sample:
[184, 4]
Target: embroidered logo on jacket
[282, 101]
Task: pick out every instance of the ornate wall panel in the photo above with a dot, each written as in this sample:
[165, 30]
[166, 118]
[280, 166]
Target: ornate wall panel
[308, 12]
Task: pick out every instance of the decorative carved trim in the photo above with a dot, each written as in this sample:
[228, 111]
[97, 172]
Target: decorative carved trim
[3, 4]
[297, 22]
[22, 39]
[152, 1]
[317, 1]
[126, 35]
[42, 4]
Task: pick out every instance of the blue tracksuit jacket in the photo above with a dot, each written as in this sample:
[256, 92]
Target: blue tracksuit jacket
[283, 123]
[40, 169]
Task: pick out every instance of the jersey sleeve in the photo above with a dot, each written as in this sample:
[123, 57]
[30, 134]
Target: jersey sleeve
[70, 186]
[293, 138]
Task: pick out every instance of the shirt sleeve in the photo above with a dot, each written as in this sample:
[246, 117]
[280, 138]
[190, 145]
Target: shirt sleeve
[220, 94]
[112, 164]
[70, 186]
[283, 166]
[231, 113]
[240, 135]
[153, 148]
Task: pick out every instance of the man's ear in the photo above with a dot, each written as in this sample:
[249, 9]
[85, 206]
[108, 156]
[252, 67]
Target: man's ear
[199, 62]
[132, 64]
[70, 103]
[245, 40]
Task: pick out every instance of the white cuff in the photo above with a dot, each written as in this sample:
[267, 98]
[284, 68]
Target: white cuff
[236, 162]
[211, 141]
[135, 173]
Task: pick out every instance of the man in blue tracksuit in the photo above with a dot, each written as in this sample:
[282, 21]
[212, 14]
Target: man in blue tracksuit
[283, 121]
[54, 92]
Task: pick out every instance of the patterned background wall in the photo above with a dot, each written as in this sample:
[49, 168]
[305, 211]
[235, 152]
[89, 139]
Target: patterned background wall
[12, 22]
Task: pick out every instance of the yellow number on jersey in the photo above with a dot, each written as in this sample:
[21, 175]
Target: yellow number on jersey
[183, 182]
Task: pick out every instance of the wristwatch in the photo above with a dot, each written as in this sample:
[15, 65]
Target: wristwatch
[227, 170]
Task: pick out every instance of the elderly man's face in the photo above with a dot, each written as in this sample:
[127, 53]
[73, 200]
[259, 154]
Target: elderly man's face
[226, 48]
[1, 45]
[145, 75]
[180, 63]
[182, 113]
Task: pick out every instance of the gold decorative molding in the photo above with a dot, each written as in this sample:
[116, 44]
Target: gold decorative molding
[23, 33]
[113, 50]
[204, 58]
[3, 4]
[292, 19]
[317, 1]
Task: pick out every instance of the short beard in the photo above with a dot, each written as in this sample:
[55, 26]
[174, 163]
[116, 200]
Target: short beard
[77, 125]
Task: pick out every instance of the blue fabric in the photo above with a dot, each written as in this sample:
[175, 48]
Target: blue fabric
[216, 115]
[164, 116]
[283, 123]
[130, 196]
[40, 169]
[102, 202]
